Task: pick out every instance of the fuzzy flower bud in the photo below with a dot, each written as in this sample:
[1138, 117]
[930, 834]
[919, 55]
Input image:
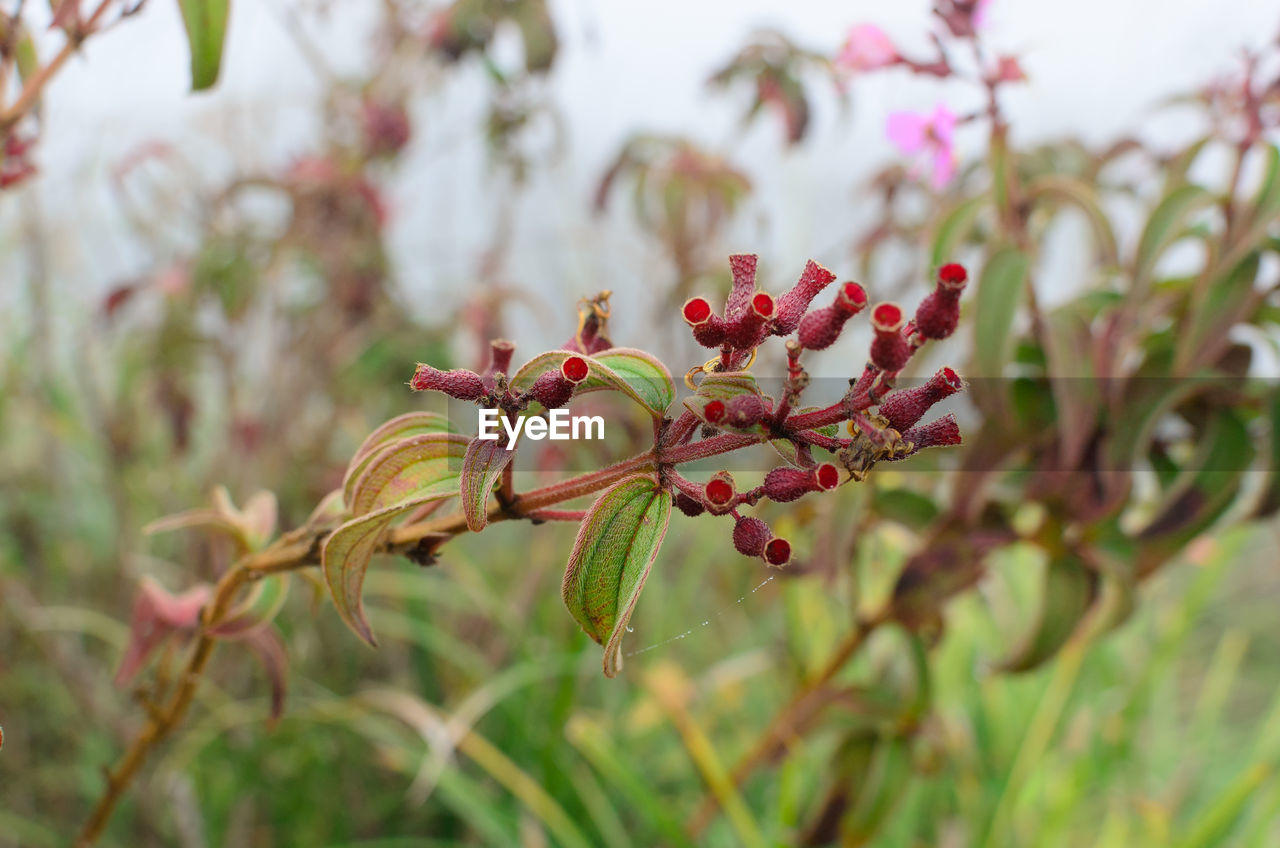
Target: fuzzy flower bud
[719, 492]
[820, 328]
[554, 388]
[793, 304]
[748, 330]
[744, 410]
[939, 312]
[785, 484]
[743, 268]
[889, 350]
[708, 328]
[904, 408]
[941, 433]
[460, 384]
[750, 535]
[688, 505]
[500, 352]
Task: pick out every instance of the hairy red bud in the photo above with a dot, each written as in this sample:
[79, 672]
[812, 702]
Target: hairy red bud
[941, 433]
[719, 492]
[939, 312]
[688, 505]
[743, 267]
[461, 384]
[793, 304]
[777, 552]
[745, 410]
[551, 389]
[889, 350]
[786, 484]
[708, 328]
[750, 328]
[904, 408]
[750, 535]
[500, 352]
[820, 328]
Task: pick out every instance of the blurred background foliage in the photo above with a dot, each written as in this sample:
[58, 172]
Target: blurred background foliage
[1118, 481]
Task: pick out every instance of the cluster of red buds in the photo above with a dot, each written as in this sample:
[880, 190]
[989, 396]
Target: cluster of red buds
[729, 413]
[883, 424]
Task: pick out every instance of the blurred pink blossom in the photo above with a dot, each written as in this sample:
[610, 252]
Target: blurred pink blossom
[931, 135]
[980, 13]
[866, 48]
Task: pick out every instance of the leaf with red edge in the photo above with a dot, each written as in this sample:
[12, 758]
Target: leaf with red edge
[346, 554]
[267, 647]
[617, 544]
[157, 615]
[427, 464]
[400, 427]
[484, 463]
[638, 375]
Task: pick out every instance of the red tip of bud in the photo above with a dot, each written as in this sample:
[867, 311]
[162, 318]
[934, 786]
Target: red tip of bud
[763, 304]
[887, 318]
[851, 298]
[948, 380]
[719, 490]
[574, 369]
[952, 275]
[785, 484]
[713, 412]
[750, 536]
[904, 408]
[696, 310]
[828, 476]
[777, 552]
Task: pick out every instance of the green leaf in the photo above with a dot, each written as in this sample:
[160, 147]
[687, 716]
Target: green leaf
[1076, 395]
[346, 554]
[1084, 197]
[1000, 291]
[485, 461]
[611, 559]
[409, 468]
[1164, 227]
[640, 377]
[206, 23]
[906, 506]
[400, 427]
[643, 372]
[1069, 588]
[885, 783]
[955, 228]
[1224, 303]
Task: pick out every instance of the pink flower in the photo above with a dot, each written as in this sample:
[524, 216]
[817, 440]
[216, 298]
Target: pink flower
[980, 13]
[867, 48]
[929, 135]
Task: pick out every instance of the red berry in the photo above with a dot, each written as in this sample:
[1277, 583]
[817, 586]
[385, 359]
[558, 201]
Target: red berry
[574, 369]
[750, 535]
[777, 552]
[713, 412]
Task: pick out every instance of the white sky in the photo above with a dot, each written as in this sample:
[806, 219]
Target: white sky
[1095, 66]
